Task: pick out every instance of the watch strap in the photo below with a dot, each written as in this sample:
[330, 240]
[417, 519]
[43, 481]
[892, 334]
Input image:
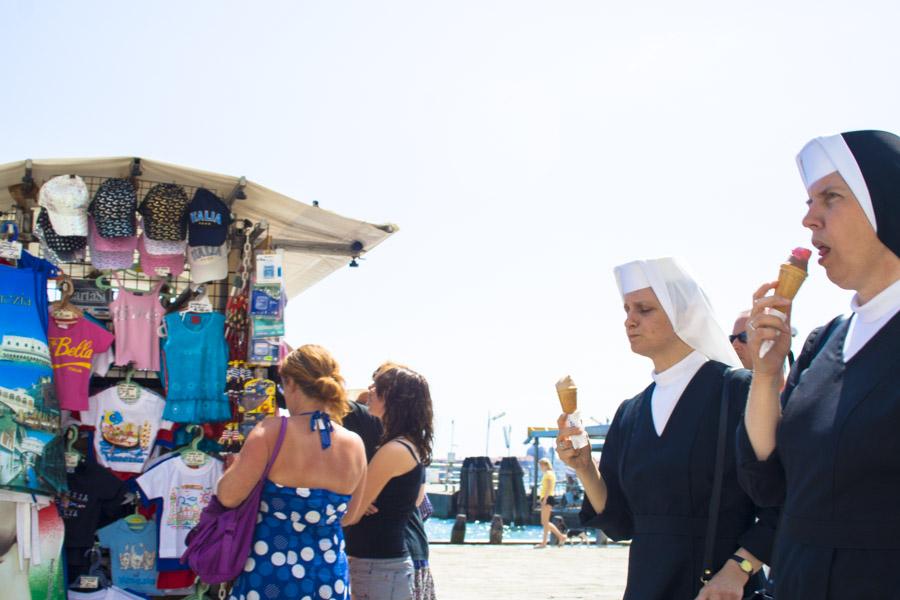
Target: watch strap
[745, 565]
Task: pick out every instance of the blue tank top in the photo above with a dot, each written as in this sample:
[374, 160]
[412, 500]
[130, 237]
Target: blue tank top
[196, 358]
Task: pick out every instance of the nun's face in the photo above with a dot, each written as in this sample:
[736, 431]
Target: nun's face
[842, 234]
[647, 326]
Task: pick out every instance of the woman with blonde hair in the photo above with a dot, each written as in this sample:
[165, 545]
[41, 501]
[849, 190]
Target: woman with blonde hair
[548, 501]
[316, 479]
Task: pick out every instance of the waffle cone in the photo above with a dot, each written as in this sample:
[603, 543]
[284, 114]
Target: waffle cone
[568, 399]
[790, 278]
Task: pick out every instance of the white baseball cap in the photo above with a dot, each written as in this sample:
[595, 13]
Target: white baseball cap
[208, 263]
[66, 199]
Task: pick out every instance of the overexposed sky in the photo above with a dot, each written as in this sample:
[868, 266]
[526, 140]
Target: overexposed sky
[524, 148]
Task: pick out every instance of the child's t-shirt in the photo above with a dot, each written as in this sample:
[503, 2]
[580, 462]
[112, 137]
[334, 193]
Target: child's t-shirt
[132, 549]
[125, 430]
[71, 348]
[185, 492]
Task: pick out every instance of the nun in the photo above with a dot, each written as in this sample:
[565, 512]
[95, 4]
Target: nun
[827, 448]
[655, 479]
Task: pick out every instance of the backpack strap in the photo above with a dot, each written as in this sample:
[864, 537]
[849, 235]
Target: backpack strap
[814, 344]
[277, 447]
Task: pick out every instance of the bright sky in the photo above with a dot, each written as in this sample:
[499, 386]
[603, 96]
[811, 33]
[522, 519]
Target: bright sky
[525, 148]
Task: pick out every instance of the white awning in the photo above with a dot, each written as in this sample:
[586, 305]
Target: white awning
[316, 242]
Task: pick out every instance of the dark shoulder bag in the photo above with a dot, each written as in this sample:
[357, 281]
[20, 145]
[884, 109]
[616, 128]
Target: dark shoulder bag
[715, 499]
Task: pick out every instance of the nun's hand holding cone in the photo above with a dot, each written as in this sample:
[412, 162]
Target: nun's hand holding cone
[766, 324]
[576, 458]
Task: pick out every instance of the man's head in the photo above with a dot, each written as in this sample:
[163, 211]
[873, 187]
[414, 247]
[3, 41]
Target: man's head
[738, 339]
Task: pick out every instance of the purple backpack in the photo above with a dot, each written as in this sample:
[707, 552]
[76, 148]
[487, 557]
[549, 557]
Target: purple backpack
[219, 544]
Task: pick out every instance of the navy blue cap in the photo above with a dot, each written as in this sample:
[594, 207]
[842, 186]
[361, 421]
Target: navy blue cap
[208, 219]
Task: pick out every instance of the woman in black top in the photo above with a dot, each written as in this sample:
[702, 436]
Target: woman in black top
[656, 470]
[380, 567]
[829, 450]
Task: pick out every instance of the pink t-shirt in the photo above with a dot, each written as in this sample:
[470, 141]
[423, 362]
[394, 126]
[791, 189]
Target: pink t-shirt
[72, 347]
[136, 318]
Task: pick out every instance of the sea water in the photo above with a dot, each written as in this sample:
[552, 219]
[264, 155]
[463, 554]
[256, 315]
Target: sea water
[438, 530]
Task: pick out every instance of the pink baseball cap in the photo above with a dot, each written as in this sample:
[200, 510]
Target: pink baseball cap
[160, 265]
[110, 253]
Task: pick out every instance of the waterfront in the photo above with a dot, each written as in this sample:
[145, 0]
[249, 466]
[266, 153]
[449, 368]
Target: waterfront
[518, 571]
[438, 530]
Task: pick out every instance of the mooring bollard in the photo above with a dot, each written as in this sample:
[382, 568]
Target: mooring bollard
[497, 530]
[458, 533]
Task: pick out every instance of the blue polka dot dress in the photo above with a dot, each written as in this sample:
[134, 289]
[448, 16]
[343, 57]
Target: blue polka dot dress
[298, 547]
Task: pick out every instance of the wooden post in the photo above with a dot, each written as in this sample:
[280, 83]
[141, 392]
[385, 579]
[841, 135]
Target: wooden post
[497, 530]
[458, 533]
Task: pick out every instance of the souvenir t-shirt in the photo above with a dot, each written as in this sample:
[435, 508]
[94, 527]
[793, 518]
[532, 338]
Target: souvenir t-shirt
[132, 550]
[72, 348]
[125, 428]
[30, 446]
[208, 219]
[185, 492]
[110, 593]
[95, 498]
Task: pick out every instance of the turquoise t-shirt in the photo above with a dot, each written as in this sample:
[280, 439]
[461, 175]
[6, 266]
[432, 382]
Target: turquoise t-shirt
[132, 554]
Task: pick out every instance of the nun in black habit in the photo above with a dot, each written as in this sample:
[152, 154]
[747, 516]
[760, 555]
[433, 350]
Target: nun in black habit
[828, 449]
[655, 478]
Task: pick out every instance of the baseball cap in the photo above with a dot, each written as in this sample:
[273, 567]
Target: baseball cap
[66, 199]
[56, 248]
[208, 219]
[160, 265]
[110, 253]
[113, 208]
[163, 210]
[208, 263]
[161, 247]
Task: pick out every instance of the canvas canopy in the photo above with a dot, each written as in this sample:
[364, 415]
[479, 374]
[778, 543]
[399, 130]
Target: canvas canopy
[316, 242]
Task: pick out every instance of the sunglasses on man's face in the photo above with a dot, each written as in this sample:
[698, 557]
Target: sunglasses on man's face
[742, 336]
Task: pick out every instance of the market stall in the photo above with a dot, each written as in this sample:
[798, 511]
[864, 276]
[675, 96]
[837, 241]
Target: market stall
[141, 314]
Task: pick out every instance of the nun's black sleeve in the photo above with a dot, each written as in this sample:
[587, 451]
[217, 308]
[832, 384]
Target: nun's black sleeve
[616, 520]
[763, 480]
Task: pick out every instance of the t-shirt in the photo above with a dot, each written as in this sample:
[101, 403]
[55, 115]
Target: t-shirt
[125, 430]
[94, 498]
[110, 593]
[30, 448]
[185, 492]
[548, 484]
[72, 347]
[132, 549]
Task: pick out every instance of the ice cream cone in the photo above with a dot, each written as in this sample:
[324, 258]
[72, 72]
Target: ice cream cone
[568, 395]
[790, 278]
[568, 400]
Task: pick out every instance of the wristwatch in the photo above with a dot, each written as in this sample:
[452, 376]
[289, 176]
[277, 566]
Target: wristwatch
[745, 565]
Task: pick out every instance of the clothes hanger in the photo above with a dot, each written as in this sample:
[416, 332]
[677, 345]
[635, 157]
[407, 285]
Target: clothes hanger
[191, 454]
[104, 282]
[63, 310]
[185, 297]
[128, 389]
[200, 591]
[199, 304]
[136, 521]
[72, 456]
[95, 578]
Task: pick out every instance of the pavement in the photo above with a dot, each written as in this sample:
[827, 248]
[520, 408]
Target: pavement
[518, 571]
